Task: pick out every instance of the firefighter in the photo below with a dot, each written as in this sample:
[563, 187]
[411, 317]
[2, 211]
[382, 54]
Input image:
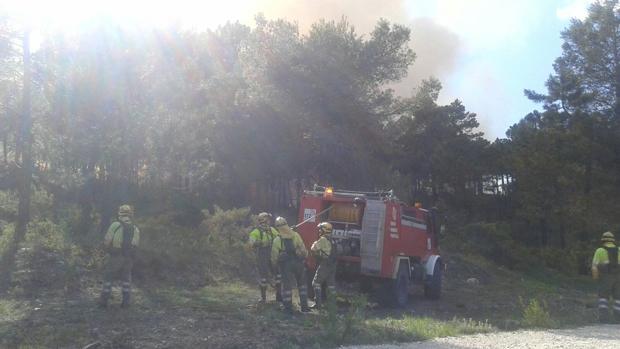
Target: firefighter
[325, 254]
[289, 253]
[120, 243]
[605, 269]
[260, 240]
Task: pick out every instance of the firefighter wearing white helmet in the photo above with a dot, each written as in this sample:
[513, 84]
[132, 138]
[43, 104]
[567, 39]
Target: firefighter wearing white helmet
[260, 240]
[120, 243]
[325, 253]
[289, 253]
[606, 269]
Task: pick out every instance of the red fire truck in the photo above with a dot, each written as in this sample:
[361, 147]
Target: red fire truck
[377, 238]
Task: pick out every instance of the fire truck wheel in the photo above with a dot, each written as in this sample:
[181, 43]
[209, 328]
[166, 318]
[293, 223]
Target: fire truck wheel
[401, 286]
[432, 286]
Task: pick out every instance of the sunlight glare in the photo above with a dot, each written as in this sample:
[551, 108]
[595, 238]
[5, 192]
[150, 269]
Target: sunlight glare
[69, 14]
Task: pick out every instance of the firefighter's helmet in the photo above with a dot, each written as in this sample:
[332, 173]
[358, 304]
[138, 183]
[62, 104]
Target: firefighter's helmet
[608, 237]
[125, 211]
[325, 228]
[280, 222]
[263, 218]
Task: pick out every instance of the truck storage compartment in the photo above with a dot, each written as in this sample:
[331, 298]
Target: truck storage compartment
[346, 218]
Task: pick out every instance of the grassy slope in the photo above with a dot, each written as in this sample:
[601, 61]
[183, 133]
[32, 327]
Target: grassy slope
[224, 314]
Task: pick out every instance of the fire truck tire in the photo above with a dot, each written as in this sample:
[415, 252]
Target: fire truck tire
[400, 286]
[432, 286]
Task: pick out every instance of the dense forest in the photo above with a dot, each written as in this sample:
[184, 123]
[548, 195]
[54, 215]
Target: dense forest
[188, 122]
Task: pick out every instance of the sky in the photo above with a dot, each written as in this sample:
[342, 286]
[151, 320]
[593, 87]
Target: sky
[485, 52]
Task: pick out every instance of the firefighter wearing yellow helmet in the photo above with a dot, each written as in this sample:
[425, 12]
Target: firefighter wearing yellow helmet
[261, 239]
[120, 243]
[325, 253]
[606, 269]
[289, 253]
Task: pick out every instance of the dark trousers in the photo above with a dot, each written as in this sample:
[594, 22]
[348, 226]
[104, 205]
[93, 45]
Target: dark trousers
[117, 267]
[293, 274]
[609, 287]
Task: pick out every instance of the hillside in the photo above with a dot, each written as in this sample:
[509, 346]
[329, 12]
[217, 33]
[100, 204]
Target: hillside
[221, 311]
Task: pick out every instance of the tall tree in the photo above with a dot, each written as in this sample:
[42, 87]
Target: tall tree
[582, 113]
[23, 157]
[439, 147]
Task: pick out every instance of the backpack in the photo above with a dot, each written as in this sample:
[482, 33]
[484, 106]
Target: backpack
[128, 232]
[612, 255]
[287, 251]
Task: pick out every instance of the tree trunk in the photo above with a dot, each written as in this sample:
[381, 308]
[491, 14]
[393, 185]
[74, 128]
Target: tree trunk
[24, 147]
[544, 233]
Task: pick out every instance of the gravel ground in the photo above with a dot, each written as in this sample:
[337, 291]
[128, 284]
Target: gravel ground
[605, 336]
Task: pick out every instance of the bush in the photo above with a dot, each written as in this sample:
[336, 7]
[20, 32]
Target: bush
[227, 226]
[492, 241]
[536, 315]
[339, 329]
[171, 250]
[48, 260]
[8, 205]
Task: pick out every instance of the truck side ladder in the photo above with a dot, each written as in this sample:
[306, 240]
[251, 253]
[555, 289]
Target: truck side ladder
[371, 247]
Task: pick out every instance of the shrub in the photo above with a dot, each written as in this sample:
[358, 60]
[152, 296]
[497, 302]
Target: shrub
[8, 205]
[536, 315]
[492, 241]
[169, 250]
[47, 260]
[341, 328]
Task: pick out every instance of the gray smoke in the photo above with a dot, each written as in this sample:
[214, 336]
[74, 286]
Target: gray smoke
[436, 47]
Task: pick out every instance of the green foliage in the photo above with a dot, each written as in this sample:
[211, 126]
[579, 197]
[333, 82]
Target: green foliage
[48, 261]
[574, 260]
[410, 328]
[168, 249]
[536, 315]
[342, 328]
[8, 205]
[6, 236]
[498, 242]
[563, 160]
[227, 225]
[492, 241]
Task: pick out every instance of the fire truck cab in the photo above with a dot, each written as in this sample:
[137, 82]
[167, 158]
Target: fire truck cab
[376, 237]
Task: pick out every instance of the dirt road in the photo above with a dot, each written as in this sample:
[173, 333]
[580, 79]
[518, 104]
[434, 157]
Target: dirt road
[605, 336]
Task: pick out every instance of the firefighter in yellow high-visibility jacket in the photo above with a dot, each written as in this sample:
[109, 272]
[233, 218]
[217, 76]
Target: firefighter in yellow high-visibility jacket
[120, 243]
[325, 253]
[606, 269]
[260, 240]
[289, 253]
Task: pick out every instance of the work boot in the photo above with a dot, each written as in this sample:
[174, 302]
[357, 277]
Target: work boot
[288, 308]
[125, 302]
[317, 299]
[103, 300]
